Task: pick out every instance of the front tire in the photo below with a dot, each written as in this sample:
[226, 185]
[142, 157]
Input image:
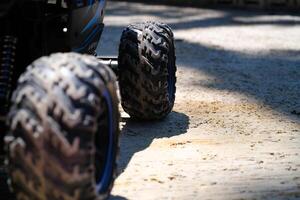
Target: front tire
[64, 128]
[147, 73]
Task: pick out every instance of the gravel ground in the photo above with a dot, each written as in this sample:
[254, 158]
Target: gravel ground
[235, 129]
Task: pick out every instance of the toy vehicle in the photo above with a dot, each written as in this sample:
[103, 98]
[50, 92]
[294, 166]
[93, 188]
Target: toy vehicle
[63, 118]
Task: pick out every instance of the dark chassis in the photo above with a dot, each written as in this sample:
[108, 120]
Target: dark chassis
[59, 115]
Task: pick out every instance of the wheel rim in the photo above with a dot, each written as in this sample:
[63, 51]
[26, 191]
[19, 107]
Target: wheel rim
[171, 80]
[103, 182]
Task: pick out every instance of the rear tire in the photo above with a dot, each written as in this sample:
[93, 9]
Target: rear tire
[64, 128]
[147, 70]
[7, 62]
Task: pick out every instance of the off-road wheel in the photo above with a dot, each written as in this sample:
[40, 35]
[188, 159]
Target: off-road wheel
[63, 138]
[7, 63]
[147, 75]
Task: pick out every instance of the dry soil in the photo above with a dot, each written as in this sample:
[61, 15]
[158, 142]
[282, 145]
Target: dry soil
[235, 129]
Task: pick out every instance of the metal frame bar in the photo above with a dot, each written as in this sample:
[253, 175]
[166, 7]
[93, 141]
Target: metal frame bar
[110, 61]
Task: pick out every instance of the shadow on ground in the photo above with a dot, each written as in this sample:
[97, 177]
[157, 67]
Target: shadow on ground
[192, 18]
[271, 76]
[112, 197]
[137, 136]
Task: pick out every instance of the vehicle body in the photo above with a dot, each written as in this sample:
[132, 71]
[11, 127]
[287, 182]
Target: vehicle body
[43, 27]
[37, 28]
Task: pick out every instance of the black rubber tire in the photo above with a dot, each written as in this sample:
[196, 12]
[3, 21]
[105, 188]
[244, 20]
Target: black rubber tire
[147, 75]
[7, 61]
[54, 146]
[4, 190]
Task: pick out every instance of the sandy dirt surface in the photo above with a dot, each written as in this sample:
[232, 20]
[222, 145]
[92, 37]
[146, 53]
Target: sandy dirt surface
[235, 129]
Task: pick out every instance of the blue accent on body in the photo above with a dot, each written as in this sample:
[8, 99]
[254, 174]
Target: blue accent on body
[94, 24]
[79, 3]
[104, 183]
[90, 2]
[96, 17]
[88, 40]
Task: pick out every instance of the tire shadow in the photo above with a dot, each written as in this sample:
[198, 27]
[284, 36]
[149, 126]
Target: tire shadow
[112, 197]
[137, 136]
